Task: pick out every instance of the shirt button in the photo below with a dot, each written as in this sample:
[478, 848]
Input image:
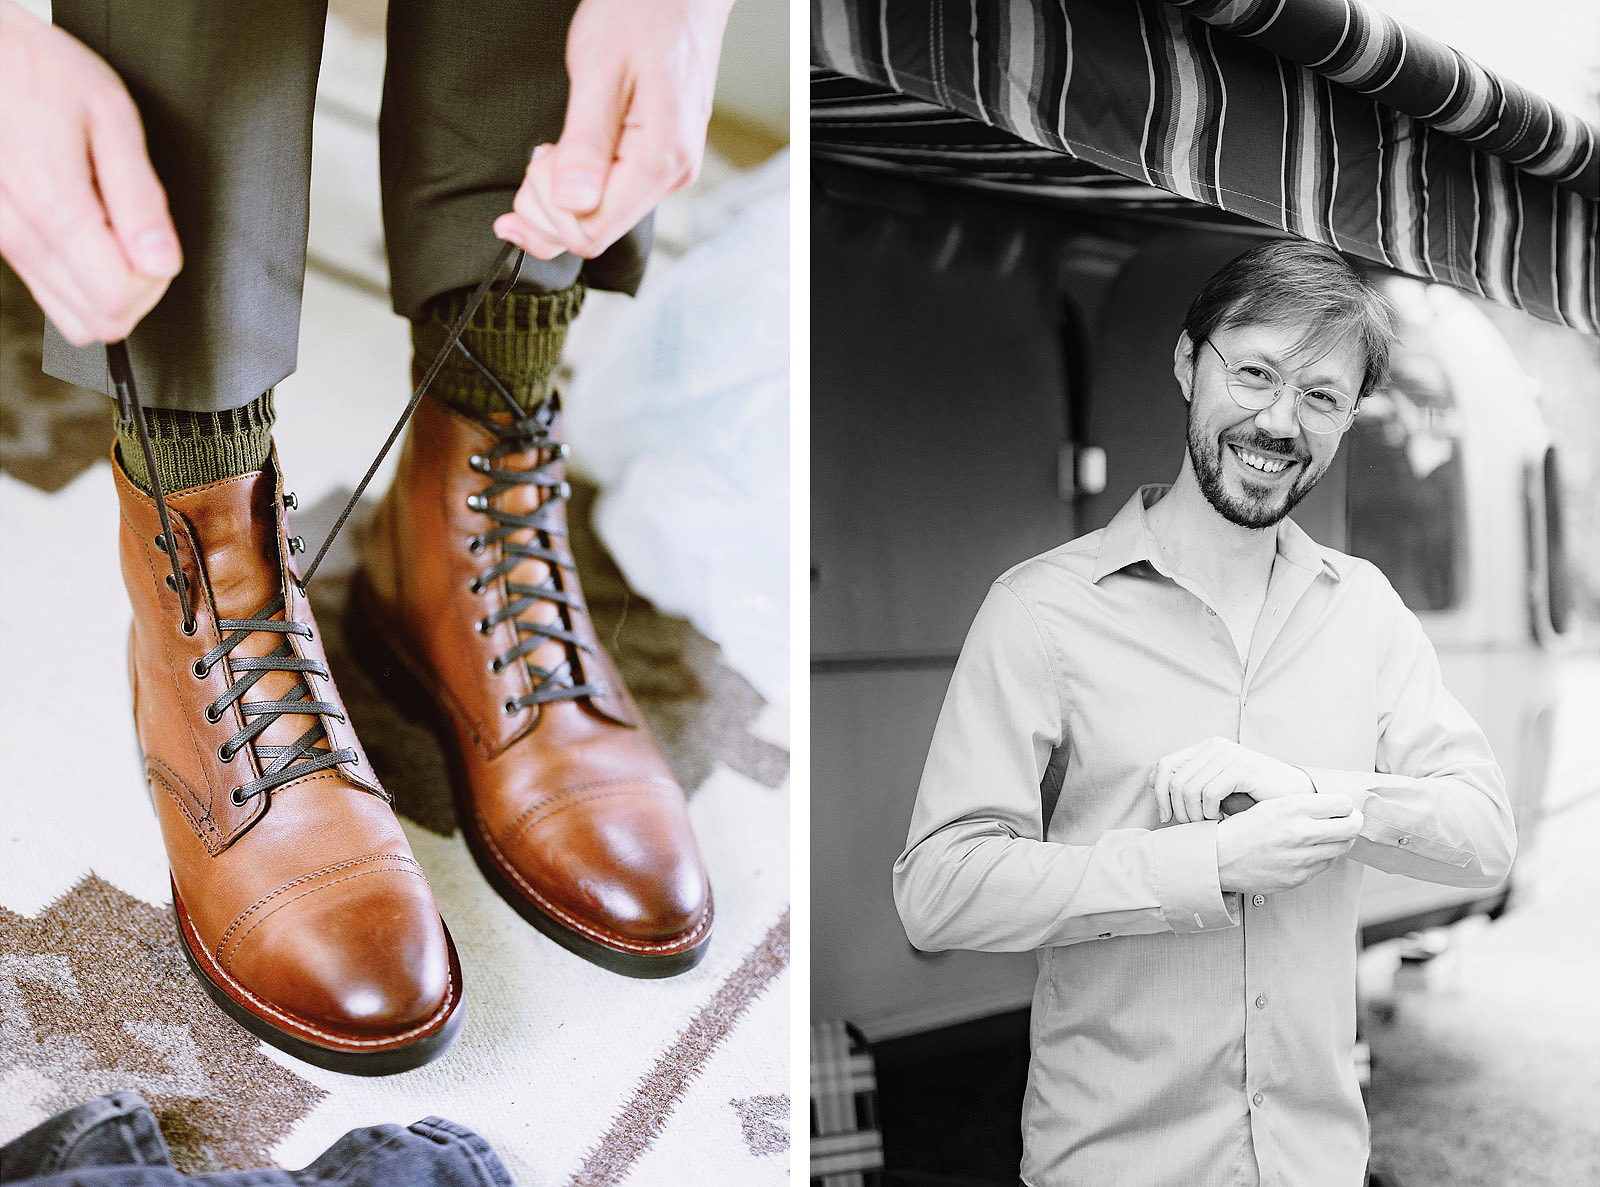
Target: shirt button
[1404, 841]
[1259, 900]
[1261, 1004]
[1211, 612]
[1257, 1099]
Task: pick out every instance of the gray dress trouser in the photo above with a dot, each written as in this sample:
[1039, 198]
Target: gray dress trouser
[226, 93]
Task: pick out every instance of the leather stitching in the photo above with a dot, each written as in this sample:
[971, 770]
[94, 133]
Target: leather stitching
[582, 793]
[429, 1023]
[245, 934]
[171, 782]
[687, 940]
[335, 868]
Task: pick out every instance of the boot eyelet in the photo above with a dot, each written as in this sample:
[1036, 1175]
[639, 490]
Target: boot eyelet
[483, 626]
[563, 450]
[496, 666]
[189, 628]
[474, 545]
[200, 670]
[237, 796]
[510, 707]
[225, 754]
[478, 462]
[562, 490]
[161, 542]
[296, 544]
[476, 502]
[475, 587]
[213, 715]
[291, 501]
[172, 584]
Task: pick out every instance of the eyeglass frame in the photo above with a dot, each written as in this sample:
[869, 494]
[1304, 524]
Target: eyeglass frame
[1278, 390]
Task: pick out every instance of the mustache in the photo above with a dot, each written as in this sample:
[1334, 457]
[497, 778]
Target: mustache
[1259, 442]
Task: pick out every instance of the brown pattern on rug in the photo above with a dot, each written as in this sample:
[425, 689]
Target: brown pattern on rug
[645, 1115]
[95, 996]
[764, 1123]
[50, 431]
[699, 709]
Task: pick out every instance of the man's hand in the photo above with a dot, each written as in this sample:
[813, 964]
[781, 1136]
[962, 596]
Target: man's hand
[1190, 784]
[83, 219]
[642, 75]
[1285, 842]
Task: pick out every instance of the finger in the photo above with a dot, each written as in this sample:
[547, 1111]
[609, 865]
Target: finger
[63, 210]
[1339, 830]
[134, 201]
[1214, 790]
[526, 231]
[54, 307]
[513, 230]
[535, 203]
[1325, 806]
[587, 148]
[77, 313]
[1189, 781]
[1160, 782]
[656, 157]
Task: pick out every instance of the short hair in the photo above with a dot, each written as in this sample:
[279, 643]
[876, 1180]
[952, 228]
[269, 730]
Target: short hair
[1293, 282]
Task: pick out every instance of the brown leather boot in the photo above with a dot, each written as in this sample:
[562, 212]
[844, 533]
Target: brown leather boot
[300, 906]
[468, 591]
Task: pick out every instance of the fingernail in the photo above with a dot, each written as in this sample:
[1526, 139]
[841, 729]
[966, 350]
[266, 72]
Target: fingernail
[156, 252]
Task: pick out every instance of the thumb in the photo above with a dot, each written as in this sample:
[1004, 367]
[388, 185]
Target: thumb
[134, 201]
[588, 144]
[1328, 806]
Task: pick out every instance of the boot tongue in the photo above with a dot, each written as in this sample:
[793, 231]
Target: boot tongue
[237, 531]
[235, 524]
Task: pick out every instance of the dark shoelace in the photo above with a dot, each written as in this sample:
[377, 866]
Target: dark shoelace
[529, 430]
[279, 764]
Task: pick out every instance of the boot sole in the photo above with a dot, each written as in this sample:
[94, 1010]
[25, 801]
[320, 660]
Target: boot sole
[380, 1061]
[406, 689]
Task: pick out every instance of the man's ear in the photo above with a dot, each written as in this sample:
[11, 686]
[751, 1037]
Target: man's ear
[1183, 364]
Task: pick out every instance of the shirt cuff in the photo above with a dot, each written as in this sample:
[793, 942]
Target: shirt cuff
[1187, 882]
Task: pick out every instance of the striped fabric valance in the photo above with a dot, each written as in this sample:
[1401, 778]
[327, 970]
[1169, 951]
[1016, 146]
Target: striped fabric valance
[1062, 99]
[1372, 53]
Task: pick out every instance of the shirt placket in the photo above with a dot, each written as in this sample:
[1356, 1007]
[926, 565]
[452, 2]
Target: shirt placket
[1263, 1059]
[1266, 1062]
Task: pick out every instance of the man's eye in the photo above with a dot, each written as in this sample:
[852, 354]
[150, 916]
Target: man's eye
[1256, 373]
[1328, 400]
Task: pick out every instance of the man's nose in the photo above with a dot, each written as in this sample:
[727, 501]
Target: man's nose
[1281, 417]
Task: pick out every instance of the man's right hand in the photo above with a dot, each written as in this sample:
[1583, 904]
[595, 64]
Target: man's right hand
[1283, 843]
[83, 219]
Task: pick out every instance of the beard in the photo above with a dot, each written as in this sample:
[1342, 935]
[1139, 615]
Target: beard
[1258, 506]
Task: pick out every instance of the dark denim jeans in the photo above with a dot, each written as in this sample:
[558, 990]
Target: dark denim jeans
[113, 1141]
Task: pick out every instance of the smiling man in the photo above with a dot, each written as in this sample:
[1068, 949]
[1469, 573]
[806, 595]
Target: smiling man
[1166, 752]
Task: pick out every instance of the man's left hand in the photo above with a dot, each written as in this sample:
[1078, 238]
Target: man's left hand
[1190, 784]
[642, 75]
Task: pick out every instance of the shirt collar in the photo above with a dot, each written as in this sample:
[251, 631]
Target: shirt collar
[1127, 539]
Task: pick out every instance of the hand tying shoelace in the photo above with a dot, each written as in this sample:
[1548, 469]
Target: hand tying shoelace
[309, 752]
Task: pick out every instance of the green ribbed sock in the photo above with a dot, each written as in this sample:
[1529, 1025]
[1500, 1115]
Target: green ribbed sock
[194, 448]
[520, 340]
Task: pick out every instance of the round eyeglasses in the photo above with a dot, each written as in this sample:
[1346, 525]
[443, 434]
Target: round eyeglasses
[1255, 386]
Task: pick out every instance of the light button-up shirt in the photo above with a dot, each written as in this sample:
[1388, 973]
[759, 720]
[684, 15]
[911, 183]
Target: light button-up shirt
[1183, 1037]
